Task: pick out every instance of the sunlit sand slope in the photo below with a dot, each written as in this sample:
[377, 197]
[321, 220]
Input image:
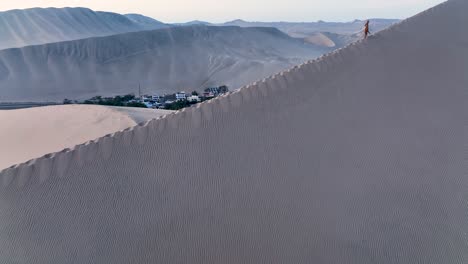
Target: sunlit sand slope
[34, 132]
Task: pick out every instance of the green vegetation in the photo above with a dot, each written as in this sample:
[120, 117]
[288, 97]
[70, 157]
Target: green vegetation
[136, 104]
[177, 105]
[125, 100]
[174, 101]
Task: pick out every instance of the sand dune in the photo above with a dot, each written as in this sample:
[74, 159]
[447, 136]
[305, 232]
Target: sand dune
[345, 28]
[322, 33]
[358, 157]
[34, 132]
[319, 39]
[35, 26]
[166, 60]
[19, 28]
[305, 29]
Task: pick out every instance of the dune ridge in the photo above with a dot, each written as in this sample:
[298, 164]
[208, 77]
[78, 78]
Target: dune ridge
[415, 236]
[34, 26]
[317, 65]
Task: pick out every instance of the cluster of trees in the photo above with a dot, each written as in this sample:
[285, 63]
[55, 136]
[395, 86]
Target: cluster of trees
[118, 100]
[177, 105]
[223, 89]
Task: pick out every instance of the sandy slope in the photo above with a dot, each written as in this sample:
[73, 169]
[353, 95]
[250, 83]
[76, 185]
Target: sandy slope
[319, 39]
[34, 26]
[357, 158]
[166, 60]
[34, 132]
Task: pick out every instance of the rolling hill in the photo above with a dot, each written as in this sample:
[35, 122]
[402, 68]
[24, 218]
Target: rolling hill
[165, 60]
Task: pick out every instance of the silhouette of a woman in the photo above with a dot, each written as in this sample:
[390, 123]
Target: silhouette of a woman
[366, 29]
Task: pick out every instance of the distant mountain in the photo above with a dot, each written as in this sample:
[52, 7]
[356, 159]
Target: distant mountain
[34, 26]
[321, 33]
[145, 21]
[326, 34]
[195, 22]
[306, 28]
[165, 60]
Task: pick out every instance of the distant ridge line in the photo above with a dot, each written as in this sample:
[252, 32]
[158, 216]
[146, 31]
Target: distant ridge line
[136, 32]
[55, 165]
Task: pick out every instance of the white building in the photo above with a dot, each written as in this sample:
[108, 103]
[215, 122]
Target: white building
[194, 98]
[181, 96]
[157, 97]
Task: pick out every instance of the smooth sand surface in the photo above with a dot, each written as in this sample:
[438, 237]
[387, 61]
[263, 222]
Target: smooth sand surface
[321, 40]
[359, 157]
[140, 115]
[34, 132]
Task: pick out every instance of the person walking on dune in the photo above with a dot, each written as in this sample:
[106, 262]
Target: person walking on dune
[366, 29]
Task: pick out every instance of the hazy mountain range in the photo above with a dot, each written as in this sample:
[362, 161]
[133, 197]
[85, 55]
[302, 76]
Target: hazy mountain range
[76, 53]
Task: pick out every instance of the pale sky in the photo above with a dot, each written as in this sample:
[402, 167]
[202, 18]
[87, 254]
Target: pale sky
[251, 10]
